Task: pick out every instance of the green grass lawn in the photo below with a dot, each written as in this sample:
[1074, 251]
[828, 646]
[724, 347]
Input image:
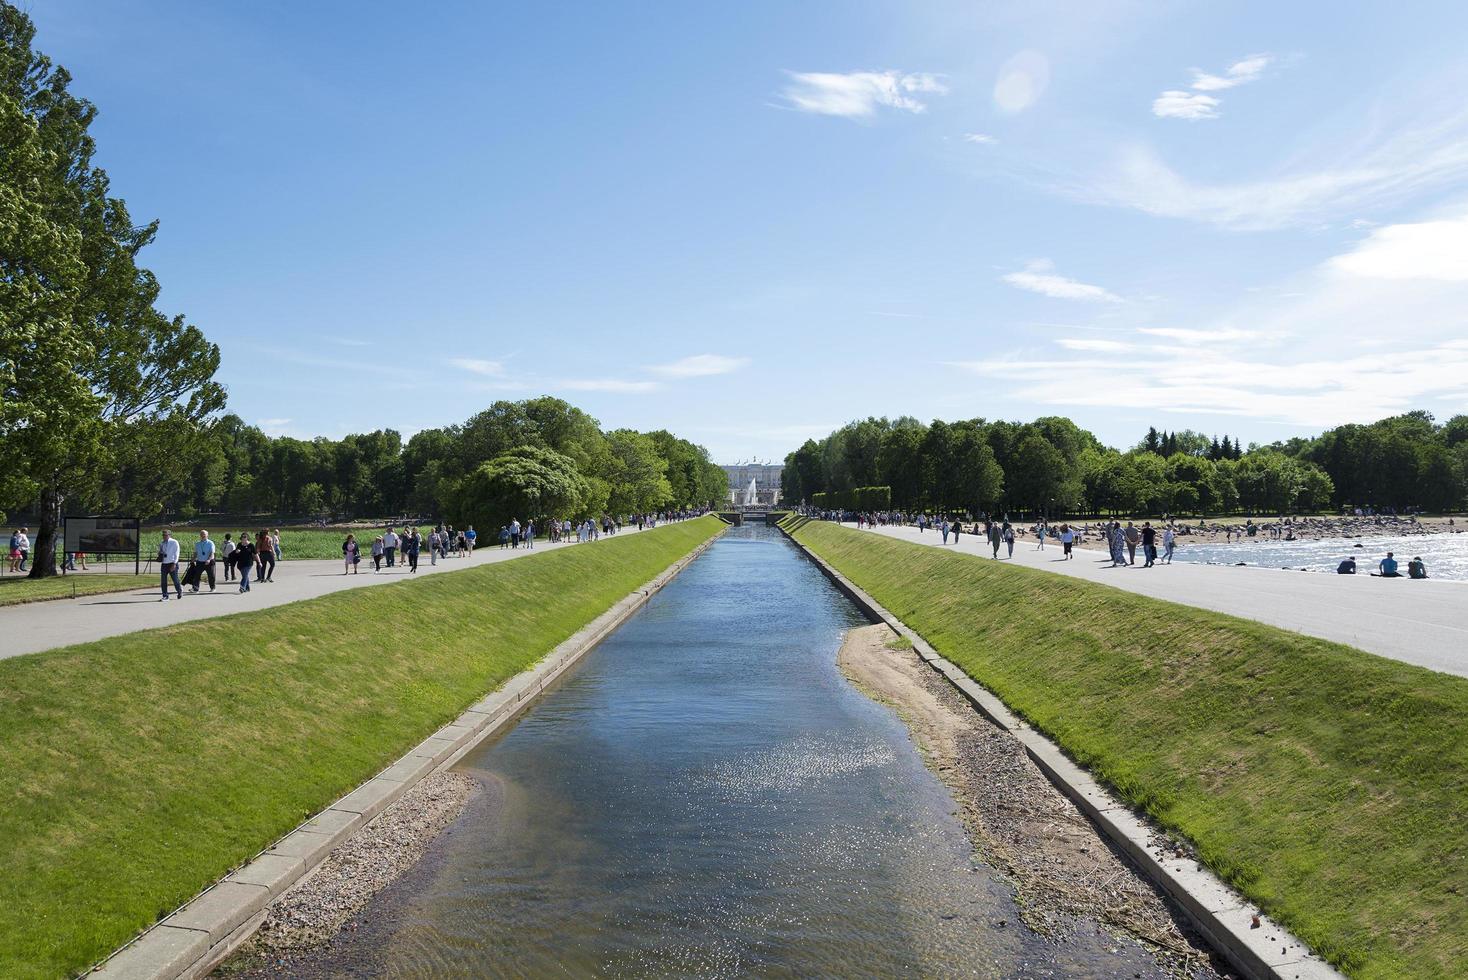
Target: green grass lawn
[137, 769]
[1327, 784]
[15, 589]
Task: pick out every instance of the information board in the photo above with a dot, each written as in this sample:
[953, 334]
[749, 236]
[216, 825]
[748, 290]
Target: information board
[102, 535]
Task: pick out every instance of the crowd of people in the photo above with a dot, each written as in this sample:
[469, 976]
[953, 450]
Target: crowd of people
[239, 557]
[1157, 544]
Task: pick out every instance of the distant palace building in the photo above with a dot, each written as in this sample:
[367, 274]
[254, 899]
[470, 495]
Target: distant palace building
[765, 478]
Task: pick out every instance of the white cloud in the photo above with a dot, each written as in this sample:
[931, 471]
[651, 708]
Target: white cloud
[859, 94]
[1100, 346]
[1021, 81]
[1323, 348]
[700, 366]
[1421, 250]
[1190, 336]
[1239, 73]
[983, 139]
[1181, 104]
[1038, 278]
[273, 427]
[1322, 182]
[1175, 104]
[1316, 393]
[613, 385]
[489, 369]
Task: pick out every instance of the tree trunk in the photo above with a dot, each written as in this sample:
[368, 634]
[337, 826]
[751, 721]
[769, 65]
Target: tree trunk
[43, 555]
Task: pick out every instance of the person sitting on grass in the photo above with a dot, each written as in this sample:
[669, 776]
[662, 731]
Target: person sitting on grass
[1416, 568]
[1388, 566]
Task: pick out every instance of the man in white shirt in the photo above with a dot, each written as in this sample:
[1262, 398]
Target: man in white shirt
[25, 548]
[203, 560]
[389, 546]
[168, 564]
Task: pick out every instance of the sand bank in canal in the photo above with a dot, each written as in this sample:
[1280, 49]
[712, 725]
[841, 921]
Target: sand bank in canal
[1065, 876]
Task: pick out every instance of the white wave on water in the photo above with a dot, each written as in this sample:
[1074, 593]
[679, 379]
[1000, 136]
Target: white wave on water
[1446, 555]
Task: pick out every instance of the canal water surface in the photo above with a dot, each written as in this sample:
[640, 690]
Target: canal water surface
[706, 795]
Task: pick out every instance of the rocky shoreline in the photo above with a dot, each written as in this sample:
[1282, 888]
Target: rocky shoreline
[1066, 877]
[326, 900]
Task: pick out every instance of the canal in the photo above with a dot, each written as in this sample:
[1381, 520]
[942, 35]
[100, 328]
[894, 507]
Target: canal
[707, 795]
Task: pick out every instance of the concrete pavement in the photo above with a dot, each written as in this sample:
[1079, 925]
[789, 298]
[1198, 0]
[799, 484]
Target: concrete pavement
[1421, 622]
[36, 626]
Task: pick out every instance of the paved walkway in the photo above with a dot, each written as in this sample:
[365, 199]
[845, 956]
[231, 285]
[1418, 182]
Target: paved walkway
[35, 626]
[1423, 623]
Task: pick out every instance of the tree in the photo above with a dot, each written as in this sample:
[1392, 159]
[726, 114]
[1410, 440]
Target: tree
[1153, 442]
[528, 482]
[90, 367]
[637, 474]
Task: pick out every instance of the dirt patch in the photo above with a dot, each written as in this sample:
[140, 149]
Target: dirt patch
[1062, 869]
[318, 906]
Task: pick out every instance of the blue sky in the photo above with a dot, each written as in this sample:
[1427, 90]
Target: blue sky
[752, 222]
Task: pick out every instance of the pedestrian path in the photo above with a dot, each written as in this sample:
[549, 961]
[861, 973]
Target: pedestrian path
[1423, 623]
[36, 626]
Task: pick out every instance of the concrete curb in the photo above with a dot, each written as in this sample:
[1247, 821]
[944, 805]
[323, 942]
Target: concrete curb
[1225, 918]
[200, 935]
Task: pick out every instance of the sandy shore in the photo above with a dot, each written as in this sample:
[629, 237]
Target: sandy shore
[1063, 872]
[325, 901]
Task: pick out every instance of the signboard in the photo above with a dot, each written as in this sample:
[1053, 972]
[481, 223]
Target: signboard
[102, 535]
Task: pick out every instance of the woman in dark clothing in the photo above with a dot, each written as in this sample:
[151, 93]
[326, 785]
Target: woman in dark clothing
[244, 557]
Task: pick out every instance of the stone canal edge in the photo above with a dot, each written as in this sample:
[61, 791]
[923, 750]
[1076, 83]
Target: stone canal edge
[200, 935]
[1225, 918]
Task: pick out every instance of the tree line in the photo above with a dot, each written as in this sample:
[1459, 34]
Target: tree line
[109, 405]
[536, 458]
[1052, 466]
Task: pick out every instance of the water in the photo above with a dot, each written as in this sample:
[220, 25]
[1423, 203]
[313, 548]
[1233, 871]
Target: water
[707, 796]
[1446, 555]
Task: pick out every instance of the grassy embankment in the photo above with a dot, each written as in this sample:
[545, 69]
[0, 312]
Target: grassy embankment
[1327, 784]
[138, 769]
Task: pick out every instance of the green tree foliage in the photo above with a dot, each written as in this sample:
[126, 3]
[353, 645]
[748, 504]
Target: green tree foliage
[525, 483]
[103, 393]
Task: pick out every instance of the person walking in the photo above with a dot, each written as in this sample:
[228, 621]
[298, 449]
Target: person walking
[1009, 538]
[245, 559]
[529, 535]
[351, 555]
[1067, 540]
[15, 550]
[226, 554]
[203, 561]
[23, 546]
[514, 532]
[168, 564]
[377, 549]
[410, 548]
[265, 556]
[996, 538]
[1116, 541]
[1149, 544]
[275, 545]
[470, 536]
[1041, 533]
[389, 546]
[1169, 543]
[435, 541]
[1133, 537]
